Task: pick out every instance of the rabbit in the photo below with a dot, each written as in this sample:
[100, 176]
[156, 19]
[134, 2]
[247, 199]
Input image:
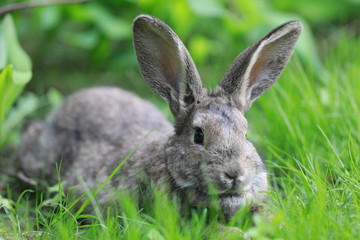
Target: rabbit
[95, 129]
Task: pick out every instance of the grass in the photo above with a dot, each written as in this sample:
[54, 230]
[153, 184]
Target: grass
[307, 130]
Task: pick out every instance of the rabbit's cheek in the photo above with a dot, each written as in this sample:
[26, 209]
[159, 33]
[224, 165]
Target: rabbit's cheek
[183, 167]
[211, 174]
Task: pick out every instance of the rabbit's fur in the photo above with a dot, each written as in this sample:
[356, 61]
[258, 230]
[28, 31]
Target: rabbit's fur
[95, 129]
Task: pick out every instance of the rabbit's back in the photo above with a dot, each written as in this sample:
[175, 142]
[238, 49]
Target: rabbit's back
[108, 113]
[89, 134]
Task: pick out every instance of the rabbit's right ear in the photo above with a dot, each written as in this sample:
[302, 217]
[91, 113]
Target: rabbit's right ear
[165, 63]
[256, 69]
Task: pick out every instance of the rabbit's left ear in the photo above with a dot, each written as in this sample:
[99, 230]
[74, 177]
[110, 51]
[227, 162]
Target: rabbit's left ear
[256, 69]
[165, 63]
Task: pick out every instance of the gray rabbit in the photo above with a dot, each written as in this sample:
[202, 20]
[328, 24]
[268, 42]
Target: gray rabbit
[95, 129]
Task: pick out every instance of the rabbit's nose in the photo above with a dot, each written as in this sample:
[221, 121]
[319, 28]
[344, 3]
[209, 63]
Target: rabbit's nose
[234, 176]
[231, 174]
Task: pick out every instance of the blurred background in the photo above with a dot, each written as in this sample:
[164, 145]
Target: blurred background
[87, 44]
[75, 46]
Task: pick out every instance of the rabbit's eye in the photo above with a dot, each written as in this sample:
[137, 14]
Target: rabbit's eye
[199, 136]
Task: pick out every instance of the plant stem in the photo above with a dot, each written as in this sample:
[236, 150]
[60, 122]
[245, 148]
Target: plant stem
[26, 5]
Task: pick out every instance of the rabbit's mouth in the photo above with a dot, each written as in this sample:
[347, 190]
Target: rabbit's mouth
[230, 203]
[229, 195]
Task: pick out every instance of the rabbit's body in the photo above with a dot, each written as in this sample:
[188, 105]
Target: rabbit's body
[95, 129]
[108, 121]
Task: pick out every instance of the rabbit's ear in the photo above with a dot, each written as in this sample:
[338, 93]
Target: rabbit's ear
[165, 63]
[256, 69]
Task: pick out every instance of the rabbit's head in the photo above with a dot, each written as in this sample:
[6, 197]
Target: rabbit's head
[209, 147]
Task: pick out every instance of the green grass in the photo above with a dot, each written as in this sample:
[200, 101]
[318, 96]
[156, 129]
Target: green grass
[307, 130]
[312, 143]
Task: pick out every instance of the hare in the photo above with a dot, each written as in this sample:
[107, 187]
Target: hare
[95, 129]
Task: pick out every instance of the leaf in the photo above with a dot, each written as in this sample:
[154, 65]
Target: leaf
[3, 51]
[207, 8]
[7, 203]
[200, 48]
[49, 17]
[54, 97]
[6, 91]
[14, 54]
[112, 27]
[86, 40]
[15, 72]
[57, 188]
[154, 234]
[25, 105]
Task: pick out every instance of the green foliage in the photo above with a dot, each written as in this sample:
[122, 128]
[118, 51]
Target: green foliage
[321, 11]
[306, 128]
[15, 72]
[310, 132]
[313, 134]
[12, 53]
[95, 37]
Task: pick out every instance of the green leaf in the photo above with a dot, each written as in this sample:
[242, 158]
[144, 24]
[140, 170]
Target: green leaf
[3, 51]
[112, 27]
[49, 17]
[12, 53]
[54, 97]
[6, 203]
[200, 48]
[15, 72]
[207, 8]
[86, 40]
[7, 91]
[154, 234]
[25, 105]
